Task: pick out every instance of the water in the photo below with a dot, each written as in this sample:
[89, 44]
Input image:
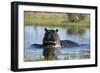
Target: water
[34, 35]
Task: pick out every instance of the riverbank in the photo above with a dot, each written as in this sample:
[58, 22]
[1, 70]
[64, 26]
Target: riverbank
[56, 19]
[69, 24]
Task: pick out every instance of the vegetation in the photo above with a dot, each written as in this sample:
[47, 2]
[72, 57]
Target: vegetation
[66, 57]
[56, 19]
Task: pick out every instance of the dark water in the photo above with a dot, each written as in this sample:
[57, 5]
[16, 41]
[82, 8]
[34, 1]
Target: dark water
[34, 35]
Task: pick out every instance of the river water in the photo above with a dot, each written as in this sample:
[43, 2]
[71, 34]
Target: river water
[34, 35]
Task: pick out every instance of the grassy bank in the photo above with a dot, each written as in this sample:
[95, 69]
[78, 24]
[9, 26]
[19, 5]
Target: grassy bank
[53, 19]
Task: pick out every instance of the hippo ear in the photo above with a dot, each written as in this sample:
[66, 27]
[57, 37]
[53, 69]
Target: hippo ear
[56, 30]
[46, 29]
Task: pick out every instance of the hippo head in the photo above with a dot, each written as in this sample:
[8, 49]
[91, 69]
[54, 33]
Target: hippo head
[51, 37]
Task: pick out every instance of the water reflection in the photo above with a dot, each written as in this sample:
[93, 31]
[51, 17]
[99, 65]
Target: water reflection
[76, 30]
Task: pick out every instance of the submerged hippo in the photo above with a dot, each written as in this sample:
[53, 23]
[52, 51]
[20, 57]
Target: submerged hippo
[52, 44]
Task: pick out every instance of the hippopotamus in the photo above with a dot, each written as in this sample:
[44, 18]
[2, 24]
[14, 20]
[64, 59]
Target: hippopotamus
[51, 37]
[52, 44]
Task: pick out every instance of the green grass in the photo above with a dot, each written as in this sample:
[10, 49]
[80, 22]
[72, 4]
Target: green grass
[52, 21]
